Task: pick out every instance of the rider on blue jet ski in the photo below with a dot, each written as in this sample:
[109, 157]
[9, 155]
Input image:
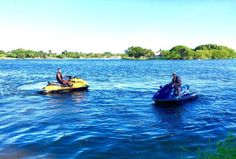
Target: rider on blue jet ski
[176, 83]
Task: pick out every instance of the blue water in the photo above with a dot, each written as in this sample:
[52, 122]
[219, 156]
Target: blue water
[116, 118]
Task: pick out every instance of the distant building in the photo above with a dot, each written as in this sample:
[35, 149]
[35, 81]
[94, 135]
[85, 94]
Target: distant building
[158, 54]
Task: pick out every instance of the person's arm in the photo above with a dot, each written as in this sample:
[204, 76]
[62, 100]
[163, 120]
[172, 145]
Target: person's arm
[172, 81]
[179, 82]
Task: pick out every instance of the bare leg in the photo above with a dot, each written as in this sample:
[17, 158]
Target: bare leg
[175, 91]
[179, 91]
[66, 82]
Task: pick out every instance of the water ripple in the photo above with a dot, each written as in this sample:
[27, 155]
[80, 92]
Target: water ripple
[116, 118]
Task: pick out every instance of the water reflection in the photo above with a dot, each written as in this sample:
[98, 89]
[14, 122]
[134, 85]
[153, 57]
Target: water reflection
[78, 97]
[74, 97]
[170, 117]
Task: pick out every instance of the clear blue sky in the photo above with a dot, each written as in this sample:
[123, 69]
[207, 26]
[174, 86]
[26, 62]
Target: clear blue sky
[114, 25]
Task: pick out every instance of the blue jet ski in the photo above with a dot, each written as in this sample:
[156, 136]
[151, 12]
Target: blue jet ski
[167, 94]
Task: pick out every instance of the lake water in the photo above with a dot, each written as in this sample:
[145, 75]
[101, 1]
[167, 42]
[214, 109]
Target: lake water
[116, 118]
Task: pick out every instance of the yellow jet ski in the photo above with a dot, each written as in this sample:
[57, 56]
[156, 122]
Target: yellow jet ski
[77, 84]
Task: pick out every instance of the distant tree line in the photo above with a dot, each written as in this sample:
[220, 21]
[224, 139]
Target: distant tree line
[22, 53]
[208, 51]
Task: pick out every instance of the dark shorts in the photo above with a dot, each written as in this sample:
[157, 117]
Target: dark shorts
[176, 87]
[60, 82]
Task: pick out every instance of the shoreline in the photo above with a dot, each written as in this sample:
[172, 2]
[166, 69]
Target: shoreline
[59, 58]
[128, 59]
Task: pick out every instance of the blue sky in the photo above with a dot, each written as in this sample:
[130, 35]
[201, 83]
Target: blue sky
[115, 25]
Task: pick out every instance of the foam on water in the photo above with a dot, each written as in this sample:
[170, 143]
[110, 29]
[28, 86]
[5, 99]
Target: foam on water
[33, 86]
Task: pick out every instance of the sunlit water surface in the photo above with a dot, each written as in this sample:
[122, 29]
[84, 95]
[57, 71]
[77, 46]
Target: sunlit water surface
[116, 118]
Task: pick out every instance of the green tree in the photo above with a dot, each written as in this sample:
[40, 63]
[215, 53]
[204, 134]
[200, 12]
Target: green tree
[2, 54]
[183, 52]
[139, 52]
[217, 51]
[170, 55]
[208, 51]
[107, 54]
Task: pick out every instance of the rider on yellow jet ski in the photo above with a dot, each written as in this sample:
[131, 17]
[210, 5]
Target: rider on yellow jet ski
[60, 79]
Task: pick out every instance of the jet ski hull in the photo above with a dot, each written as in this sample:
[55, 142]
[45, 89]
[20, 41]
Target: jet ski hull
[182, 99]
[76, 85]
[63, 90]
